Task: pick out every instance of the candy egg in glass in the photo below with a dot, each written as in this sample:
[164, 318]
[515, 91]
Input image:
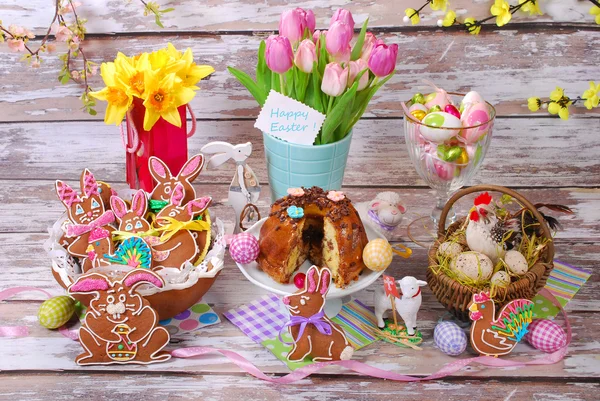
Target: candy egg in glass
[447, 150]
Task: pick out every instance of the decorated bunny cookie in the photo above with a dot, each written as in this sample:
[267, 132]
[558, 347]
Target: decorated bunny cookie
[166, 182]
[176, 222]
[120, 326]
[85, 213]
[314, 334]
[131, 220]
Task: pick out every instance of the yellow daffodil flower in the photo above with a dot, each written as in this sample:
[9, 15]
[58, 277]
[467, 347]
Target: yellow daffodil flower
[531, 7]
[591, 96]
[533, 103]
[438, 5]
[163, 97]
[190, 73]
[472, 27]
[595, 10]
[412, 15]
[131, 72]
[449, 19]
[115, 93]
[501, 10]
[557, 94]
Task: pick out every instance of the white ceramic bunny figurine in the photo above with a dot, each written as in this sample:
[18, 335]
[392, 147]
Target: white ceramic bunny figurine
[244, 188]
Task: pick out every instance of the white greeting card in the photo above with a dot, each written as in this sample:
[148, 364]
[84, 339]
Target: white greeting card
[289, 120]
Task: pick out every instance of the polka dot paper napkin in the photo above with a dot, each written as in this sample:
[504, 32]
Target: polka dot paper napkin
[197, 317]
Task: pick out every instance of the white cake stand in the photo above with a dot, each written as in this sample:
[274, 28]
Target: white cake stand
[335, 296]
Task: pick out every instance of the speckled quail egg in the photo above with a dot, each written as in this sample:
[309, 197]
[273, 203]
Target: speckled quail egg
[473, 265]
[500, 279]
[516, 262]
[449, 249]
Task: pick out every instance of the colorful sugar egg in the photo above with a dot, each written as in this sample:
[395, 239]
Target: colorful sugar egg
[377, 255]
[451, 109]
[469, 99]
[244, 248]
[445, 171]
[476, 115]
[56, 311]
[438, 98]
[450, 338]
[299, 280]
[473, 265]
[545, 335]
[449, 126]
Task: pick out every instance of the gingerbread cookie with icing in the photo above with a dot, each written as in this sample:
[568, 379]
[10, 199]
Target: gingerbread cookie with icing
[120, 326]
[166, 181]
[315, 335]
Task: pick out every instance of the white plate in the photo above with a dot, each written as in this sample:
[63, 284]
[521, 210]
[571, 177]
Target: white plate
[263, 280]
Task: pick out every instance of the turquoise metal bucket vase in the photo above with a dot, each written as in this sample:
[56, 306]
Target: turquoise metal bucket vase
[290, 165]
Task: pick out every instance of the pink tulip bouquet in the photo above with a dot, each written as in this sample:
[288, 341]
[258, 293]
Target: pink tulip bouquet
[322, 69]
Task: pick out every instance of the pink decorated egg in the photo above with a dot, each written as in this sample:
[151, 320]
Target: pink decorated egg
[475, 115]
[244, 248]
[444, 171]
[438, 98]
[470, 98]
[545, 335]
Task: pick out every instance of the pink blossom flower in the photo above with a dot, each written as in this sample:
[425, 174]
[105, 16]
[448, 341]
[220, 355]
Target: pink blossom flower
[69, 7]
[334, 79]
[368, 46]
[62, 33]
[51, 47]
[75, 74]
[16, 45]
[94, 70]
[35, 63]
[74, 43]
[305, 56]
[355, 67]
[296, 192]
[336, 196]
[20, 32]
[278, 54]
[383, 59]
[344, 16]
[338, 38]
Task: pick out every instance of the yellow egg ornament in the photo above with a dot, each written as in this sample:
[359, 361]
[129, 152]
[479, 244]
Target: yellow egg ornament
[56, 311]
[378, 254]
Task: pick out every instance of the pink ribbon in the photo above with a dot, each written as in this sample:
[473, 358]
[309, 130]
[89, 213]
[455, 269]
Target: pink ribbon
[75, 230]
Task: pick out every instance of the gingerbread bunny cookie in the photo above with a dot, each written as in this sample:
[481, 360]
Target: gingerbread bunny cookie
[166, 182]
[85, 213]
[120, 326]
[314, 334]
[180, 244]
[131, 220]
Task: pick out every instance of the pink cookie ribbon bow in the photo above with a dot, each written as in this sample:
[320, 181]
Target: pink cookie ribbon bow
[75, 230]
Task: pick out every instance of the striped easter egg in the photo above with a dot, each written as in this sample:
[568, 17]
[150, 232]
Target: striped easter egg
[450, 338]
[545, 335]
[56, 311]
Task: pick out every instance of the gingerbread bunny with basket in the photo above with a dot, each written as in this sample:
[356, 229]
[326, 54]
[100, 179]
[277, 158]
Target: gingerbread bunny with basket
[314, 334]
[120, 326]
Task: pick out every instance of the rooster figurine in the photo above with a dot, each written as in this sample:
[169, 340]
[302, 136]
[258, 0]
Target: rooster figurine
[494, 336]
[488, 234]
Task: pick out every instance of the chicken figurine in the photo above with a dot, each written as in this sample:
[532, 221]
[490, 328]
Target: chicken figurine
[495, 336]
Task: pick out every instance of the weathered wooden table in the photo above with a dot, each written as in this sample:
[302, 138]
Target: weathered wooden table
[44, 136]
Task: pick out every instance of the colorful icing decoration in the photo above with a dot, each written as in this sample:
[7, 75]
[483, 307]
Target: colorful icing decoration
[295, 212]
[546, 335]
[336, 196]
[314, 335]
[450, 338]
[496, 335]
[295, 192]
[134, 252]
[244, 248]
[120, 326]
[56, 311]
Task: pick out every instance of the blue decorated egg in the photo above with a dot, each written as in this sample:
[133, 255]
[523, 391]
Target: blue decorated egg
[545, 335]
[450, 338]
[449, 126]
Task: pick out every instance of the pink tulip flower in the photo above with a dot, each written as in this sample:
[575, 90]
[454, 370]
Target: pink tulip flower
[343, 57]
[355, 67]
[308, 20]
[305, 56]
[383, 59]
[338, 38]
[334, 79]
[278, 54]
[290, 25]
[344, 16]
[368, 46]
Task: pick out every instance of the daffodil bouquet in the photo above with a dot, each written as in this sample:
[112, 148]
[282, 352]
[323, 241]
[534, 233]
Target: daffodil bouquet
[163, 80]
[152, 91]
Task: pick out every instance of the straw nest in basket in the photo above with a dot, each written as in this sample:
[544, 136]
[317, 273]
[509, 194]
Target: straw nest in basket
[503, 246]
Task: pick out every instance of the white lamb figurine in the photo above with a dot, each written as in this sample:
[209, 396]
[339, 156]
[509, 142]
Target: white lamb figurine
[384, 213]
[407, 306]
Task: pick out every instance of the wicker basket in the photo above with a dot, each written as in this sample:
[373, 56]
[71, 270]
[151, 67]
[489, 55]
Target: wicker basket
[455, 296]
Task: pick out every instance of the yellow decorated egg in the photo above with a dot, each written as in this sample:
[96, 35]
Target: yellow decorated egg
[56, 311]
[377, 255]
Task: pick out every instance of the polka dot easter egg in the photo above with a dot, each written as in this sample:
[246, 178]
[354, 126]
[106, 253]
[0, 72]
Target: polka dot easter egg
[450, 338]
[56, 311]
[545, 335]
[440, 126]
[377, 255]
[244, 248]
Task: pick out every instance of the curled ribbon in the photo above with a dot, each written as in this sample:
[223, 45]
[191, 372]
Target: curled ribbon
[123, 235]
[316, 320]
[75, 230]
[174, 226]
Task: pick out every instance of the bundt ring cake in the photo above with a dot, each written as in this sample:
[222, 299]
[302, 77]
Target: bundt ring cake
[321, 226]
